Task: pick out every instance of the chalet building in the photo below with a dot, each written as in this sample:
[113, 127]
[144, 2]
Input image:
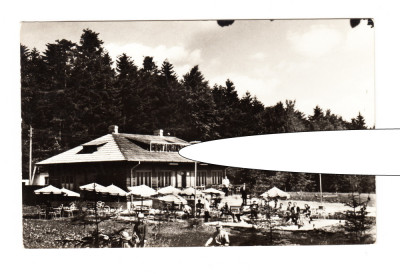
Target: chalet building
[129, 160]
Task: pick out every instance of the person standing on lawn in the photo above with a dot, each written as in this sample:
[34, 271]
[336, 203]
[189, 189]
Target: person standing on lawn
[295, 212]
[225, 184]
[206, 210]
[275, 202]
[219, 238]
[243, 191]
[140, 229]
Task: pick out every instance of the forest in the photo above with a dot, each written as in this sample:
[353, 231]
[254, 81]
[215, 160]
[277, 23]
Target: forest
[72, 92]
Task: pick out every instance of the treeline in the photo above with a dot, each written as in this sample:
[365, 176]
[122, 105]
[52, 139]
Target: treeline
[71, 93]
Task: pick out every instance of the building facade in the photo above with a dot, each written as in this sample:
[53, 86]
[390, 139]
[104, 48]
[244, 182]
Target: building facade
[128, 160]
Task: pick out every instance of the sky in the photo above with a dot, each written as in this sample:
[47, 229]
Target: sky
[315, 62]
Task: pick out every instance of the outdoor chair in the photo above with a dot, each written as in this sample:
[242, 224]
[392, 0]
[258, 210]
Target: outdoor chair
[51, 213]
[224, 216]
[179, 214]
[41, 212]
[57, 212]
[100, 208]
[106, 210]
[68, 211]
[116, 212]
[71, 209]
[90, 209]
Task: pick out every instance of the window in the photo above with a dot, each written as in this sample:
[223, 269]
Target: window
[88, 149]
[216, 176]
[201, 178]
[164, 178]
[143, 177]
[67, 182]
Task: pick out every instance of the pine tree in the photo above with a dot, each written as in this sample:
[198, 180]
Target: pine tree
[59, 60]
[358, 122]
[357, 221]
[199, 109]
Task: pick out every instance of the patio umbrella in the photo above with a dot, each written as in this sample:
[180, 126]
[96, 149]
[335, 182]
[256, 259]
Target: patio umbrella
[48, 190]
[113, 190]
[190, 192]
[168, 190]
[48, 194]
[176, 199]
[91, 191]
[213, 191]
[70, 193]
[141, 191]
[275, 192]
[92, 187]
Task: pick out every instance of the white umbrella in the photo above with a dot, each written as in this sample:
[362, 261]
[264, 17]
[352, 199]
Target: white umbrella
[173, 198]
[70, 193]
[141, 191]
[213, 191]
[168, 190]
[190, 191]
[275, 192]
[113, 190]
[48, 190]
[92, 187]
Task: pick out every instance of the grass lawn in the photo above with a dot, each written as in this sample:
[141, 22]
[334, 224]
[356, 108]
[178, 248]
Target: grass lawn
[50, 233]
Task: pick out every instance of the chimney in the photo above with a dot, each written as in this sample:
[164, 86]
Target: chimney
[113, 129]
[158, 132]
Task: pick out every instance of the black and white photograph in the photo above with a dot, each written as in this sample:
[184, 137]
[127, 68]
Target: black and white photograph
[106, 106]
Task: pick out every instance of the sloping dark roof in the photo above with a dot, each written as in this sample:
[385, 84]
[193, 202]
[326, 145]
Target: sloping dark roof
[120, 147]
[128, 145]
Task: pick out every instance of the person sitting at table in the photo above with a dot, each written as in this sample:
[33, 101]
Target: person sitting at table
[287, 217]
[225, 210]
[187, 209]
[254, 210]
[289, 206]
[307, 212]
[238, 214]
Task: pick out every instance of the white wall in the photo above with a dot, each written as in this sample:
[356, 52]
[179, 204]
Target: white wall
[39, 179]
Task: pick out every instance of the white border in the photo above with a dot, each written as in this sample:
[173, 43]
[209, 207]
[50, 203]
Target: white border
[325, 259]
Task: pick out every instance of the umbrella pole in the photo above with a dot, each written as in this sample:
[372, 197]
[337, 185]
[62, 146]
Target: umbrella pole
[96, 239]
[195, 184]
[320, 187]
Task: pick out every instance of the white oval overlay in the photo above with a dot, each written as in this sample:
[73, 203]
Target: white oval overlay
[364, 152]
